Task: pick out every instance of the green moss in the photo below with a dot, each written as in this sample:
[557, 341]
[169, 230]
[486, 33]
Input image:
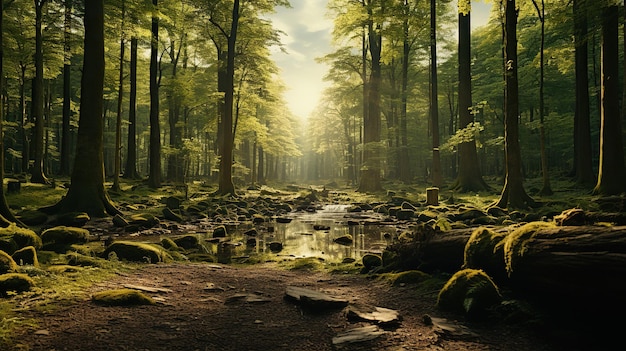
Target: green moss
[469, 291]
[73, 219]
[122, 297]
[187, 242]
[515, 243]
[64, 268]
[169, 244]
[484, 250]
[407, 277]
[7, 263]
[305, 264]
[21, 236]
[63, 235]
[77, 259]
[144, 220]
[26, 255]
[370, 261]
[16, 282]
[202, 257]
[136, 252]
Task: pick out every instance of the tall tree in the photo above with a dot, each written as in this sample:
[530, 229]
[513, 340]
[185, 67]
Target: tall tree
[434, 104]
[120, 96]
[87, 192]
[513, 194]
[130, 171]
[370, 170]
[154, 178]
[546, 189]
[6, 216]
[583, 168]
[611, 171]
[469, 177]
[37, 103]
[67, 91]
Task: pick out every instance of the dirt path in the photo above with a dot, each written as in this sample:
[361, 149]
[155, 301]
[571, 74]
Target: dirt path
[200, 313]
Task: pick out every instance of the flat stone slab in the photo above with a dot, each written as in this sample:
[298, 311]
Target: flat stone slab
[373, 314]
[248, 298]
[447, 329]
[313, 298]
[149, 289]
[355, 335]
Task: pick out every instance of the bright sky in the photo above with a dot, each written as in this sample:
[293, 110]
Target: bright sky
[307, 37]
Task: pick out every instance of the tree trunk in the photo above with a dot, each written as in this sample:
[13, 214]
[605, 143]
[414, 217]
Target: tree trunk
[611, 170]
[225, 180]
[404, 174]
[131, 150]
[469, 177]
[434, 103]
[24, 121]
[37, 103]
[154, 178]
[174, 162]
[370, 170]
[583, 168]
[118, 120]
[67, 94]
[6, 216]
[87, 192]
[513, 194]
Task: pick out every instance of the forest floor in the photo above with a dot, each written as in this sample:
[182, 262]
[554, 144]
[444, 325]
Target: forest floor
[208, 306]
[201, 308]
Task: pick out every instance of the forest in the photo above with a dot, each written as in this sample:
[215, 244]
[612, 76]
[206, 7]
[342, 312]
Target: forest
[478, 170]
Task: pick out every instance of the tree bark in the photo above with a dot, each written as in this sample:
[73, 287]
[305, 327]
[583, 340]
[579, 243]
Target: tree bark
[67, 93]
[154, 178]
[437, 180]
[118, 118]
[37, 103]
[469, 177]
[87, 192]
[370, 170]
[611, 171]
[130, 171]
[404, 173]
[513, 194]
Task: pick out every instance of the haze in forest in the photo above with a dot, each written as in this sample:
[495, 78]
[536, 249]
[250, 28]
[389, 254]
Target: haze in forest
[307, 35]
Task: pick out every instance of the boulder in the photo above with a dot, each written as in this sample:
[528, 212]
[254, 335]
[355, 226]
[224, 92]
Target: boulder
[136, 252]
[15, 282]
[7, 263]
[26, 256]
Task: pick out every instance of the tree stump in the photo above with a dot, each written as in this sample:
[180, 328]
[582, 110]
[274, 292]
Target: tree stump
[432, 196]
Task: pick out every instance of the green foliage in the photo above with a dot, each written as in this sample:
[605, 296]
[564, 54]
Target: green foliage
[121, 297]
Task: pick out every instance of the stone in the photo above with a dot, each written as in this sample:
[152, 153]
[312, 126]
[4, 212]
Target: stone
[356, 335]
[313, 298]
[344, 240]
[373, 314]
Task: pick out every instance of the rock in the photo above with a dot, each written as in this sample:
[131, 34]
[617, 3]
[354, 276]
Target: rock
[144, 220]
[283, 220]
[373, 314]
[122, 297]
[173, 203]
[321, 227]
[370, 261]
[220, 232]
[405, 214]
[187, 242]
[171, 215]
[136, 252]
[275, 246]
[344, 240]
[119, 221]
[448, 330]
[7, 263]
[32, 217]
[60, 238]
[248, 298]
[313, 299]
[252, 232]
[15, 282]
[356, 335]
[26, 255]
[73, 219]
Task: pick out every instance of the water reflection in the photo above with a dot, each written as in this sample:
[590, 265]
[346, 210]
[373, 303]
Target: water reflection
[302, 237]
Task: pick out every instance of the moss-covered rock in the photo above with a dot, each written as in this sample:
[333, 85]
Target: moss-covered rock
[15, 282]
[516, 241]
[22, 237]
[26, 255]
[202, 257]
[171, 215]
[220, 232]
[121, 297]
[78, 259]
[32, 217]
[409, 277]
[187, 242]
[60, 238]
[485, 250]
[469, 291]
[169, 244]
[371, 261]
[136, 252]
[7, 263]
[143, 220]
[73, 219]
